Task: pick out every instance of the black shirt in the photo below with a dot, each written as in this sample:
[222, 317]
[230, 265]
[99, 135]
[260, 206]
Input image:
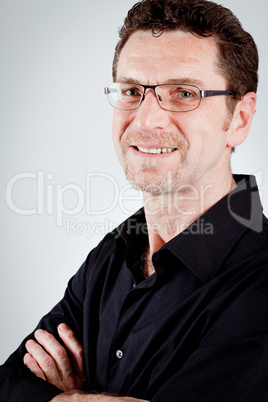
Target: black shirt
[195, 330]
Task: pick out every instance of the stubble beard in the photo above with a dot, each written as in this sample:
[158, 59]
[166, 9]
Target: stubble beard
[153, 182]
[149, 178]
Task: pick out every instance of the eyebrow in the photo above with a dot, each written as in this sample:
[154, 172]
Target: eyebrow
[182, 80]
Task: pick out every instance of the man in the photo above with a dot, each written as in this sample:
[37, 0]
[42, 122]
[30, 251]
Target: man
[173, 304]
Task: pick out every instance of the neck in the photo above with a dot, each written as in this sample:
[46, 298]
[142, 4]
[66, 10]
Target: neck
[169, 214]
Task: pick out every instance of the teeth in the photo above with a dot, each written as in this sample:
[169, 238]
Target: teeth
[156, 150]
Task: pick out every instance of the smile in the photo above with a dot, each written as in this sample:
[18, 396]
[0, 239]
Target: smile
[156, 150]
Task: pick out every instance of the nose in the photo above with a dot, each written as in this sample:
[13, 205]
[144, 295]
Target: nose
[150, 115]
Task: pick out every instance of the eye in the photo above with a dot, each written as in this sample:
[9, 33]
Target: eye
[186, 94]
[131, 92]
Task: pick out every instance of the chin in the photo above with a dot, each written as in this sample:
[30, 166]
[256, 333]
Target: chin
[153, 184]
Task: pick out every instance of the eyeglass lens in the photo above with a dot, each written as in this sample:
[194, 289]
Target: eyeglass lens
[174, 97]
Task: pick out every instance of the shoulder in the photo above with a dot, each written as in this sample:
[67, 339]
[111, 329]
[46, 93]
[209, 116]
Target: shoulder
[114, 245]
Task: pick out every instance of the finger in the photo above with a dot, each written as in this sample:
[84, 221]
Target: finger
[32, 365]
[56, 351]
[74, 347]
[44, 360]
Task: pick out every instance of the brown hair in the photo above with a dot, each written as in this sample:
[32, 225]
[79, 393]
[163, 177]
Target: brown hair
[237, 52]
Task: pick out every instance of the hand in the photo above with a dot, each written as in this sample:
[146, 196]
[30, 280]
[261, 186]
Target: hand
[77, 396]
[50, 361]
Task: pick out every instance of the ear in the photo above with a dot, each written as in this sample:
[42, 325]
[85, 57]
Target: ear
[242, 118]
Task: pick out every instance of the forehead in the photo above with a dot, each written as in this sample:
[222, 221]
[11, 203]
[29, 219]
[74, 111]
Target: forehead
[173, 55]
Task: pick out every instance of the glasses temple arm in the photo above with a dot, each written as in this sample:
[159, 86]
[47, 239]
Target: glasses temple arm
[206, 94]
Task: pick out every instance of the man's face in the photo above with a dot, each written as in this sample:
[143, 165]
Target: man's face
[198, 139]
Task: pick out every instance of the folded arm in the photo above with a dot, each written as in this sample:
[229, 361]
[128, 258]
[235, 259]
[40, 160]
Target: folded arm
[47, 359]
[63, 368]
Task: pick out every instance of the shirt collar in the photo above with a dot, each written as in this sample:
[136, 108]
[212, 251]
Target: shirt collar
[203, 246]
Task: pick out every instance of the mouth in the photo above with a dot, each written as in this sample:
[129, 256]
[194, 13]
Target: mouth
[154, 151]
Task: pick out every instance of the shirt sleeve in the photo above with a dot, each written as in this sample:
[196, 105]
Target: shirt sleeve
[17, 383]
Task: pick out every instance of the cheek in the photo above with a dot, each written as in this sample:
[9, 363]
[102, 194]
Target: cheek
[115, 127]
[204, 135]
[116, 130]
[120, 124]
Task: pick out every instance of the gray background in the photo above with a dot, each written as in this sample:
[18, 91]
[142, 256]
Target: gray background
[55, 122]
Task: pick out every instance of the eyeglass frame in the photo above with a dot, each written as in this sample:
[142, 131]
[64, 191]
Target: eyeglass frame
[203, 94]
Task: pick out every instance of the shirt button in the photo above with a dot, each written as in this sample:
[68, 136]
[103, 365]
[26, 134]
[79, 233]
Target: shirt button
[119, 354]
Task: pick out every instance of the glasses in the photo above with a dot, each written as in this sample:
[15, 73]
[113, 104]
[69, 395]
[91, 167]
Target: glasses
[171, 97]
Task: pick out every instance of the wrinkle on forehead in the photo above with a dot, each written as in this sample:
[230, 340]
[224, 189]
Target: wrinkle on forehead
[154, 59]
[169, 43]
[173, 51]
